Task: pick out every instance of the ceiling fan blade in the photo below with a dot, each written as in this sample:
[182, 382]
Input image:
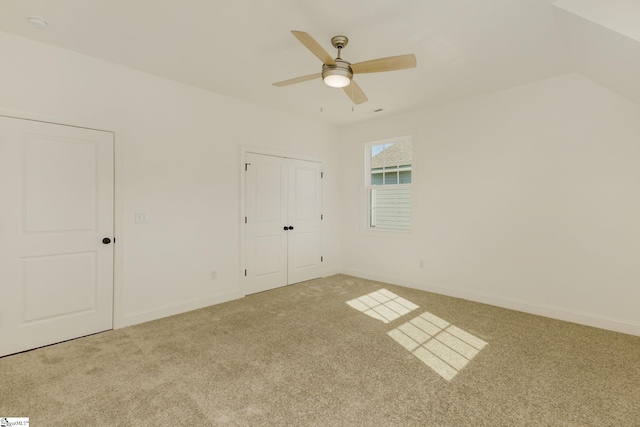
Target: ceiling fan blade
[354, 92]
[314, 47]
[390, 63]
[298, 80]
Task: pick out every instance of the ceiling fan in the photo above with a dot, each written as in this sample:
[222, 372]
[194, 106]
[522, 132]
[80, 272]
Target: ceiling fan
[339, 73]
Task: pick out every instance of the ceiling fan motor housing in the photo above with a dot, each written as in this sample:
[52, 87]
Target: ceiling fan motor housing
[342, 68]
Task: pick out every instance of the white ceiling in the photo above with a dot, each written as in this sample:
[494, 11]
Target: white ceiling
[602, 39]
[239, 48]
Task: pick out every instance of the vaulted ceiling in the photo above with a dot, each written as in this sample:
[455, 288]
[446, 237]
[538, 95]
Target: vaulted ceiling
[239, 48]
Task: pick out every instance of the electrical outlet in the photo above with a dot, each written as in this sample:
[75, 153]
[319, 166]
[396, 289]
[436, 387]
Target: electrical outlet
[141, 217]
[214, 275]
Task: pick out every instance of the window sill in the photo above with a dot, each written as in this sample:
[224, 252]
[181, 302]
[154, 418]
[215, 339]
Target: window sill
[388, 234]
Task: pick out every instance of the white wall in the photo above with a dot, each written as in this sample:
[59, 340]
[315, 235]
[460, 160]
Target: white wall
[180, 163]
[527, 198]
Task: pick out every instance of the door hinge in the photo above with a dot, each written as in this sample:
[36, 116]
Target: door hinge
[321, 174]
[245, 219]
[321, 217]
[245, 273]
[246, 165]
[321, 259]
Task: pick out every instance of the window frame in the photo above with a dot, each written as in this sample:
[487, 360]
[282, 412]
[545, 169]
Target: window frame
[368, 187]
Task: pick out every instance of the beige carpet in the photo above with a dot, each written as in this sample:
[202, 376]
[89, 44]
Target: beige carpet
[302, 356]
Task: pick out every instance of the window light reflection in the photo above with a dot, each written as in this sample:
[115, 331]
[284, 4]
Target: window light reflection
[443, 347]
[383, 305]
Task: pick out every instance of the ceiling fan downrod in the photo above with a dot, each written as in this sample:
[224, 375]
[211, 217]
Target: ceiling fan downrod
[339, 42]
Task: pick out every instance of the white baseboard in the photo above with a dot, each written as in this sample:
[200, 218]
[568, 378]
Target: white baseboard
[582, 318]
[177, 308]
[331, 272]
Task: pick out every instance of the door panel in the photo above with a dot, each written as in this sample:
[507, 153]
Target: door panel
[304, 179]
[305, 254]
[305, 208]
[57, 275]
[74, 275]
[266, 209]
[60, 185]
[268, 257]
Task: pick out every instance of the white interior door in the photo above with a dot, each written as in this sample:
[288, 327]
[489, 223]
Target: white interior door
[56, 274]
[283, 203]
[304, 211]
[266, 216]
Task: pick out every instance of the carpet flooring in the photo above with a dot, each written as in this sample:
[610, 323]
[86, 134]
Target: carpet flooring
[336, 351]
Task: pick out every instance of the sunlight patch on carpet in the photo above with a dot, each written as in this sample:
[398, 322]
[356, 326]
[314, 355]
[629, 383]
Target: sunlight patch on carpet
[383, 305]
[443, 347]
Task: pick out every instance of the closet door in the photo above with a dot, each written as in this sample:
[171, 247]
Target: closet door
[283, 232]
[266, 213]
[304, 210]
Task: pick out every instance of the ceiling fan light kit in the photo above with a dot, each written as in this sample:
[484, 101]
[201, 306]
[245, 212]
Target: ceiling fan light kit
[338, 73]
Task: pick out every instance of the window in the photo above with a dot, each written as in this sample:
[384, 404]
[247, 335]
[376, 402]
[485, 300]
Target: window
[388, 184]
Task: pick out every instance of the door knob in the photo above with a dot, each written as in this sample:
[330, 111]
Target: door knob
[106, 240]
[291, 227]
[286, 228]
